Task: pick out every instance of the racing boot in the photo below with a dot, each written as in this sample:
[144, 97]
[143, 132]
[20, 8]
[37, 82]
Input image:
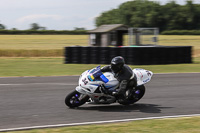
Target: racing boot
[119, 95]
[102, 100]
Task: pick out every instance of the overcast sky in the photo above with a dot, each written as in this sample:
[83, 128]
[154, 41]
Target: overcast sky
[57, 14]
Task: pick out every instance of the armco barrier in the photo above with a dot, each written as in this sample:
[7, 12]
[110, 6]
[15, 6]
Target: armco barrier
[132, 55]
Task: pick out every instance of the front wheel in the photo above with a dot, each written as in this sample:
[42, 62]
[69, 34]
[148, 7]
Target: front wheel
[136, 95]
[75, 99]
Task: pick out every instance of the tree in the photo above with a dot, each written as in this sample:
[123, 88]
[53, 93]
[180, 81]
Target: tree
[35, 26]
[14, 28]
[109, 17]
[145, 13]
[43, 28]
[79, 28]
[2, 27]
[137, 13]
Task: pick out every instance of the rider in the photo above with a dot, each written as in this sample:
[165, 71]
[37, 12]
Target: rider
[122, 73]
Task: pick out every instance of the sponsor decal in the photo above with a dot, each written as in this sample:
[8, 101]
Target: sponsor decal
[146, 80]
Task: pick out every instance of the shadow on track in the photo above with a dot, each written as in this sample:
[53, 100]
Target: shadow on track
[145, 108]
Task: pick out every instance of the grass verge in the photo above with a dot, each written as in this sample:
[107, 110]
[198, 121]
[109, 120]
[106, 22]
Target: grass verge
[12, 45]
[32, 53]
[171, 125]
[55, 67]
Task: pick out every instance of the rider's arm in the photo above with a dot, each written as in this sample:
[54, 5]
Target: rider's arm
[106, 69]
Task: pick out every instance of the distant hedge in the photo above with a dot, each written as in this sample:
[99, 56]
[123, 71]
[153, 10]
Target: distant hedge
[181, 32]
[43, 32]
[31, 53]
[83, 32]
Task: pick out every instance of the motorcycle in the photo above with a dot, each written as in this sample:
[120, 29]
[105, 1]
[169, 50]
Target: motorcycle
[92, 90]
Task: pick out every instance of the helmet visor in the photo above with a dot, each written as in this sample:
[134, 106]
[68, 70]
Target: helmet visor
[115, 68]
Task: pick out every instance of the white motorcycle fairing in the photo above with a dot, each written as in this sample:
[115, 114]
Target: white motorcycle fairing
[93, 89]
[143, 76]
[88, 87]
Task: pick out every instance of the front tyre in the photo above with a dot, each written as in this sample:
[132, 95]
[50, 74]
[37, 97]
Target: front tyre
[136, 95]
[75, 99]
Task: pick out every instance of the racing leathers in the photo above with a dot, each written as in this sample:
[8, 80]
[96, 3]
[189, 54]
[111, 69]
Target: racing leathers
[123, 76]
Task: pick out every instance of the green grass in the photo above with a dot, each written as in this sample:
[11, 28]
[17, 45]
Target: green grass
[41, 42]
[11, 43]
[32, 53]
[56, 67]
[172, 125]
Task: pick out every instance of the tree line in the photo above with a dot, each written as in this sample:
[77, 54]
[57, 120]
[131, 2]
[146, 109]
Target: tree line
[144, 13]
[35, 28]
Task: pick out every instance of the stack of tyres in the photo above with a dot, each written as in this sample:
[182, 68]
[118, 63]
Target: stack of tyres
[104, 55]
[114, 51]
[165, 53]
[131, 55]
[187, 54]
[76, 54]
[123, 52]
[184, 56]
[95, 55]
[146, 55]
[161, 54]
[68, 55]
[85, 55]
[180, 55]
[139, 56]
[177, 54]
[170, 55]
[153, 55]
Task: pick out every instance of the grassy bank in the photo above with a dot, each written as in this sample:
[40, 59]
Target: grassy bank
[12, 45]
[31, 53]
[176, 125]
[55, 67]
[41, 42]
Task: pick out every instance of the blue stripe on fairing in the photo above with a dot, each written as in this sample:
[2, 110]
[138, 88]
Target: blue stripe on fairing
[104, 79]
[108, 87]
[94, 85]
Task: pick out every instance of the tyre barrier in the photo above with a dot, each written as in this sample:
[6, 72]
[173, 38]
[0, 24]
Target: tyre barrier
[133, 55]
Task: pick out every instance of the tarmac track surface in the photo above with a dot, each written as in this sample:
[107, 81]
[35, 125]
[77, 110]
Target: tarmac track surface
[36, 101]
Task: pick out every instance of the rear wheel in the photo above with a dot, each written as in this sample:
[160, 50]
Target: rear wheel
[135, 95]
[75, 99]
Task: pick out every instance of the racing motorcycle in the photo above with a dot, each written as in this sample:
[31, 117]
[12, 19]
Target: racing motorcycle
[100, 90]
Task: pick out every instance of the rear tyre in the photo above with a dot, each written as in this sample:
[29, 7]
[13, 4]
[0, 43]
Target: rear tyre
[138, 94]
[75, 99]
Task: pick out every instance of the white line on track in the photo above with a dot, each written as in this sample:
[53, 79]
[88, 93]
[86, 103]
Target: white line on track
[40, 76]
[79, 75]
[37, 84]
[95, 122]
